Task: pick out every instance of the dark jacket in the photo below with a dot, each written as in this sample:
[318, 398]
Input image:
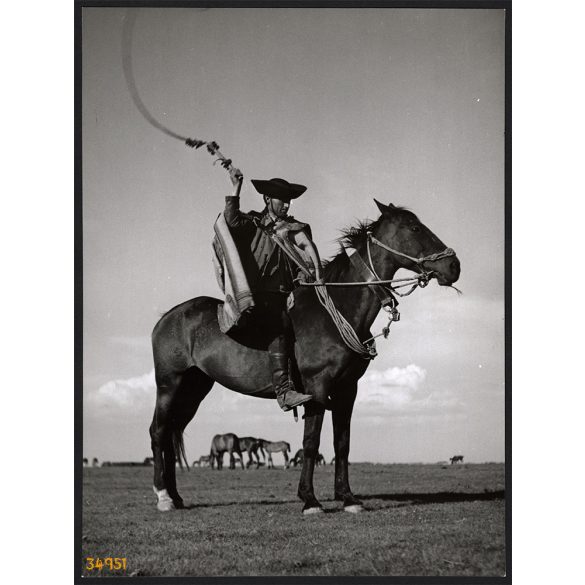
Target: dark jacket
[267, 267]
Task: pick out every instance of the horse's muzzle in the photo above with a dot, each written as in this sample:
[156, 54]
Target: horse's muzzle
[447, 270]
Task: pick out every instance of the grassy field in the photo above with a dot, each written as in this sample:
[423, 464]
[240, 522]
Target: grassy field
[419, 520]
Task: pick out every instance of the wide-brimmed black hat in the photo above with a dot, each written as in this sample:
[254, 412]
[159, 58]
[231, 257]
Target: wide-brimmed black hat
[279, 188]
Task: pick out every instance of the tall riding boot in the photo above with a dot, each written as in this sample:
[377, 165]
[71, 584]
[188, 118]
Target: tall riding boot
[286, 395]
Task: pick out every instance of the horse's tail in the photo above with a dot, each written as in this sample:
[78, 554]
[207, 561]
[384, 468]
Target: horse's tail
[287, 447]
[179, 447]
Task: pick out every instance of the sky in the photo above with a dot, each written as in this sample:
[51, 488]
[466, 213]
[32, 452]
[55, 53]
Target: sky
[403, 105]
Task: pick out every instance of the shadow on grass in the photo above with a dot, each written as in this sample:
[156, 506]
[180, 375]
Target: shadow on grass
[404, 499]
[416, 499]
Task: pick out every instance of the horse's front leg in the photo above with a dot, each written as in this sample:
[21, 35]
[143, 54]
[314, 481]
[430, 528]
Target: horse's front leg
[314, 413]
[341, 415]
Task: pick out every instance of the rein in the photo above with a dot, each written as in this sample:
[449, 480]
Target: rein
[419, 261]
[367, 348]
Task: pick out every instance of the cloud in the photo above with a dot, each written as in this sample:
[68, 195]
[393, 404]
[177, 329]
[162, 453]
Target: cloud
[393, 392]
[394, 388]
[403, 393]
[132, 396]
[131, 341]
[128, 393]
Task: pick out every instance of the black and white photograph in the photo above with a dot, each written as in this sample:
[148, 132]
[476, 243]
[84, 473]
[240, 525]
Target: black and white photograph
[294, 350]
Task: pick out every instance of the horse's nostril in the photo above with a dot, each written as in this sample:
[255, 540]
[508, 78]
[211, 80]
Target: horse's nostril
[454, 266]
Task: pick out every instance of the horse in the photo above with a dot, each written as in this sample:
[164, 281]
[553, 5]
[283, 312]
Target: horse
[191, 353]
[252, 446]
[456, 459]
[298, 459]
[275, 447]
[222, 443]
[85, 462]
[204, 460]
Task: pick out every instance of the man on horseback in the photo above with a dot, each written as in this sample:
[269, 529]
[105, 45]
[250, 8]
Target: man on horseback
[275, 249]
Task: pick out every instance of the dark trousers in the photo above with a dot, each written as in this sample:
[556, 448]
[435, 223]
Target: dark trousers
[272, 318]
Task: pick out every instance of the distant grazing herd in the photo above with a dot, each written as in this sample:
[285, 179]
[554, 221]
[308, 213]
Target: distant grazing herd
[236, 446]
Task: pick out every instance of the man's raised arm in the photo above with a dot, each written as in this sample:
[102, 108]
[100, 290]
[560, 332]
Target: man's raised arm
[232, 214]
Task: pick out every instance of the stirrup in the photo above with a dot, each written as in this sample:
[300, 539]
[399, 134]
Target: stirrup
[301, 399]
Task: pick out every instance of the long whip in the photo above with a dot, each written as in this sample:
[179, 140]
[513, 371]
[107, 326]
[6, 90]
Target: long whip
[127, 36]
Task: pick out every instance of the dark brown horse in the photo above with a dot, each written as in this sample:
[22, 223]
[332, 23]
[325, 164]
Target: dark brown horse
[190, 352]
[220, 444]
[299, 458]
[252, 446]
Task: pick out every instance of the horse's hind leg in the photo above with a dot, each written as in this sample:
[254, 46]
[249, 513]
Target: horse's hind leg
[178, 398]
[160, 436]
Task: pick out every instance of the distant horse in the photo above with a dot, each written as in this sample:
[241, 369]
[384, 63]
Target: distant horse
[204, 460]
[85, 462]
[221, 444]
[275, 447]
[299, 458]
[252, 446]
[95, 462]
[456, 459]
[191, 353]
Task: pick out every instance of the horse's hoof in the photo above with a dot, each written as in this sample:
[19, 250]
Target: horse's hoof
[354, 508]
[165, 505]
[310, 511]
[164, 501]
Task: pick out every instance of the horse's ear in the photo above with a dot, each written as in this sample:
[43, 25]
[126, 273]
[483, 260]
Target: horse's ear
[384, 208]
[380, 206]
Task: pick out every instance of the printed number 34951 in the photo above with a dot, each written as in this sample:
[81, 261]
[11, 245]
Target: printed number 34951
[114, 564]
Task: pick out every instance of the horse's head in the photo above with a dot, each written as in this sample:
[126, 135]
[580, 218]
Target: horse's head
[414, 245]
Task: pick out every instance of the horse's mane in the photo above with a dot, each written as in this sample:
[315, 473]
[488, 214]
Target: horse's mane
[352, 237]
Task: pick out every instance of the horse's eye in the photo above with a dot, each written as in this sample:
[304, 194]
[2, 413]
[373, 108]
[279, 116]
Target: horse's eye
[415, 228]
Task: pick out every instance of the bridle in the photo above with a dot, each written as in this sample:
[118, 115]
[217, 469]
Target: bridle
[419, 261]
[384, 289]
[424, 275]
[421, 280]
